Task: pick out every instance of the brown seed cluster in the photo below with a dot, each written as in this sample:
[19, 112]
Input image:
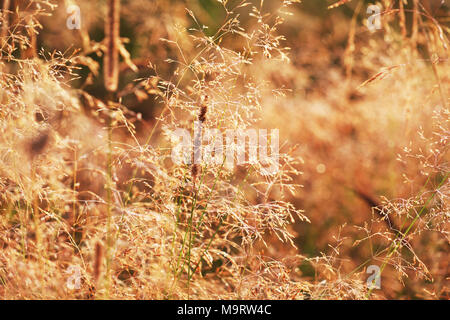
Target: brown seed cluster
[111, 61]
[98, 261]
[203, 110]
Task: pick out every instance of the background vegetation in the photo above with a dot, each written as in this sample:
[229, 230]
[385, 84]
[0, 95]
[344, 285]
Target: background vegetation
[92, 207]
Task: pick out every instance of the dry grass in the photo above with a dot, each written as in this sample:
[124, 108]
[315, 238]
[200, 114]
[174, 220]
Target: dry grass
[93, 207]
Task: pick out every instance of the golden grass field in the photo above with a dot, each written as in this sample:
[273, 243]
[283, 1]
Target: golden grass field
[93, 205]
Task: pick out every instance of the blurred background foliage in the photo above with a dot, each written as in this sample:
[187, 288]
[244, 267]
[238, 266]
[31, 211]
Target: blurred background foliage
[349, 139]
